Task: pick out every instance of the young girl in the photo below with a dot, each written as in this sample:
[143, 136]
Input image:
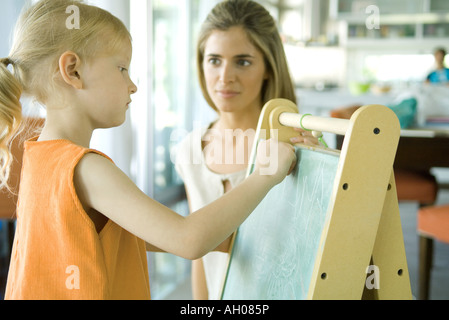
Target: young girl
[241, 66]
[81, 223]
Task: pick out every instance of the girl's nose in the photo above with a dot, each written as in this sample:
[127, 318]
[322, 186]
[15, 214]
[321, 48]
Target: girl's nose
[133, 88]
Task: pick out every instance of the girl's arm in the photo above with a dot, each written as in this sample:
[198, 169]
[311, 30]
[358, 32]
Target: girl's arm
[103, 187]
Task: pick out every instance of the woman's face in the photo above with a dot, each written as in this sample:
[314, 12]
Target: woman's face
[234, 70]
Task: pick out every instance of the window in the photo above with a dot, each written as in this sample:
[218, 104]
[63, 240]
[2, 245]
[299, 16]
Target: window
[164, 68]
[397, 67]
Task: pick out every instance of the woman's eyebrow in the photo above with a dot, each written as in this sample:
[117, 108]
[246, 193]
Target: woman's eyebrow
[239, 56]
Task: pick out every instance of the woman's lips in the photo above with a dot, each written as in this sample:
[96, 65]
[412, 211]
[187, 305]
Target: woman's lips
[227, 94]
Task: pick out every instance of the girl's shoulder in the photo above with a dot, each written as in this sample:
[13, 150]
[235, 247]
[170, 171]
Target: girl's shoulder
[59, 148]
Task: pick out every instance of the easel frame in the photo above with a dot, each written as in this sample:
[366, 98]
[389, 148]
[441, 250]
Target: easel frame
[364, 195]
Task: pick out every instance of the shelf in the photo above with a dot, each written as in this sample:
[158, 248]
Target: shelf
[398, 19]
[402, 43]
[402, 22]
[358, 7]
[387, 6]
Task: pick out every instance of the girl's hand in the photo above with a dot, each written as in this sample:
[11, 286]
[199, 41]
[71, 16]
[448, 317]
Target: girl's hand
[275, 159]
[305, 137]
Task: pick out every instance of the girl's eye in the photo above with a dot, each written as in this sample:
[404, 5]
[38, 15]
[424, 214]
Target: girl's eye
[123, 69]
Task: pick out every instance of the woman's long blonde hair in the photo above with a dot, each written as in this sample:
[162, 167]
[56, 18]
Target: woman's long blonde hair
[262, 32]
[41, 35]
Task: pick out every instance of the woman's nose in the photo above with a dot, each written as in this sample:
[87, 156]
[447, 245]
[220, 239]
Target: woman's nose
[227, 73]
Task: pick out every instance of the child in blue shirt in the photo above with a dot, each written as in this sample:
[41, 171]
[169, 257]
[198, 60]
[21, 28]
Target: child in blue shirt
[441, 74]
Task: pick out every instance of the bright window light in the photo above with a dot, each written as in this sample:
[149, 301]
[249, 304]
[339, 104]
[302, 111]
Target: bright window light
[399, 67]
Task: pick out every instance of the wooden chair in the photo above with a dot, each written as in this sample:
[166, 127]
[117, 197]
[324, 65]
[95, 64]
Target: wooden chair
[433, 223]
[419, 186]
[8, 200]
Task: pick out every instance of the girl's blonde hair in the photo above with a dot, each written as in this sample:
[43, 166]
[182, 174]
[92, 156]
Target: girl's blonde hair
[262, 32]
[42, 34]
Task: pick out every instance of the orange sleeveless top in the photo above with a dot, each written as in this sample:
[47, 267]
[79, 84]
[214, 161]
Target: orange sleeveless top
[57, 252]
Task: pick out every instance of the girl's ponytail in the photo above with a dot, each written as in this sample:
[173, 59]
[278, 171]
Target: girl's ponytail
[40, 37]
[10, 116]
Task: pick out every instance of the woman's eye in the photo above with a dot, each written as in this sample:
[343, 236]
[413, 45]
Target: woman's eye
[122, 69]
[243, 63]
[214, 61]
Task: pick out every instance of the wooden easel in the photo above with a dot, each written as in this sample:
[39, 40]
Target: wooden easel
[377, 240]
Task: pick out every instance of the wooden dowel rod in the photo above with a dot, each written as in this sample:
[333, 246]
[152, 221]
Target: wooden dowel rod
[321, 124]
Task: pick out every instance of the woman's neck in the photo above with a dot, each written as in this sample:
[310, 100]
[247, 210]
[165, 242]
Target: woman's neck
[234, 121]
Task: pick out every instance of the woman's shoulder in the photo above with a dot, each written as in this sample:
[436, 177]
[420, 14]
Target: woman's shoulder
[188, 151]
[192, 137]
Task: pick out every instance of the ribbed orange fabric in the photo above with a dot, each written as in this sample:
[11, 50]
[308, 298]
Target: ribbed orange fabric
[57, 252]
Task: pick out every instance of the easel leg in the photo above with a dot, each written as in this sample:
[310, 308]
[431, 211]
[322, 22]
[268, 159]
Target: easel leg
[425, 264]
[369, 294]
[389, 251]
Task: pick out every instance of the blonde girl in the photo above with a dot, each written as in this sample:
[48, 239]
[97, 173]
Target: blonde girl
[82, 225]
[241, 66]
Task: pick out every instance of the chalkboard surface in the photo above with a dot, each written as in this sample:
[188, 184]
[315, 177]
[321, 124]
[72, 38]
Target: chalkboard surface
[275, 248]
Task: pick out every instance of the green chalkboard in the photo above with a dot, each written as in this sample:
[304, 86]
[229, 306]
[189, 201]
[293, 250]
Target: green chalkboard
[275, 248]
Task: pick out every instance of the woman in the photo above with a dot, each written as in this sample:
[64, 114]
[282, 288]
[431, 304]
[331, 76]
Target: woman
[241, 65]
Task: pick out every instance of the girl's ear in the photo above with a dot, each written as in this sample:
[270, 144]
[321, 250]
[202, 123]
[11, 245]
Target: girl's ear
[69, 68]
